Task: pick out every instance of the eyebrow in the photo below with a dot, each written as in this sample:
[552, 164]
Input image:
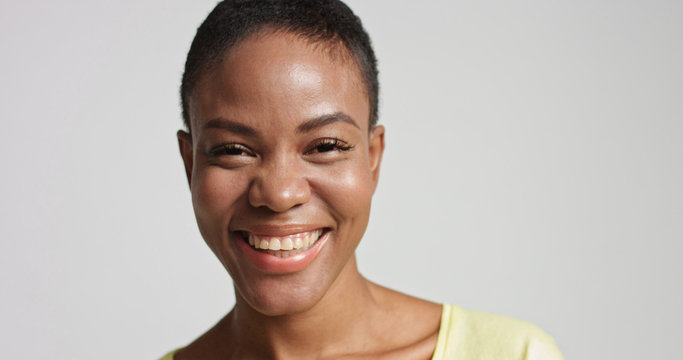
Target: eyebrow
[232, 126]
[307, 126]
[323, 120]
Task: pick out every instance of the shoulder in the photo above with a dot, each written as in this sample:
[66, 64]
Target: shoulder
[210, 345]
[478, 335]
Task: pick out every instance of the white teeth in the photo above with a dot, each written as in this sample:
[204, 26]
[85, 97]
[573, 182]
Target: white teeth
[287, 244]
[274, 244]
[282, 245]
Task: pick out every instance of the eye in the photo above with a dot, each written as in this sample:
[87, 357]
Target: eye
[231, 149]
[329, 144]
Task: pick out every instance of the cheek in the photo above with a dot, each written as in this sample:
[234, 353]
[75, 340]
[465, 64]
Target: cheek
[348, 192]
[214, 193]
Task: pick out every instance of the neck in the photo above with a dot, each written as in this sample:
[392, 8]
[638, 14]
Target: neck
[342, 313]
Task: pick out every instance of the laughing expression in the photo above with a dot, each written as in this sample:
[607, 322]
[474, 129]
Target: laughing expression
[282, 167]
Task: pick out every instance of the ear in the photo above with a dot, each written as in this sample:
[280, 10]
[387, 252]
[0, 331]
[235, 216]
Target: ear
[185, 145]
[376, 149]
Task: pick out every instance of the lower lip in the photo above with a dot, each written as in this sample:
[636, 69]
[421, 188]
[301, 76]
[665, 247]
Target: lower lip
[285, 265]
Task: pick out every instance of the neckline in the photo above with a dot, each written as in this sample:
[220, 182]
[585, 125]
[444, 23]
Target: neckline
[441, 340]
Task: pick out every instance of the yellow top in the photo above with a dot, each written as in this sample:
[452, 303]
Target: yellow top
[470, 335]
[473, 335]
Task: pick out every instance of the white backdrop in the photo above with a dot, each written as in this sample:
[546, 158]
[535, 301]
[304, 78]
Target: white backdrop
[533, 168]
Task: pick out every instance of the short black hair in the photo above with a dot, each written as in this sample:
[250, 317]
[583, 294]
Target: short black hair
[325, 21]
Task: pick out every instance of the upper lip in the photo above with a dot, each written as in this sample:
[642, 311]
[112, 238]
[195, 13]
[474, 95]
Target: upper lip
[278, 230]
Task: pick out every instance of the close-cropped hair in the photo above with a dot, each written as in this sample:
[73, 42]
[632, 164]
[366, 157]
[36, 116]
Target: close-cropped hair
[327, 22]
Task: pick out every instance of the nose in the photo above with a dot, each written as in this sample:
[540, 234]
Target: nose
[279, 186]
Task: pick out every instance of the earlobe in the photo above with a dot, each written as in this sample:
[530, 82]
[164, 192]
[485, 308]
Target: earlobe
[376, 149]
[186, 152]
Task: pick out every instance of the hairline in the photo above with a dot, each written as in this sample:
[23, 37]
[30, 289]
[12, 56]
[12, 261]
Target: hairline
[331, 46]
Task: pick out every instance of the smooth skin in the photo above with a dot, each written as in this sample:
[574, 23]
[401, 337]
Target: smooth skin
[281, 144]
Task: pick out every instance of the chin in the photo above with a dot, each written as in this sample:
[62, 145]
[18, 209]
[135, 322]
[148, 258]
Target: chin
[284, 295]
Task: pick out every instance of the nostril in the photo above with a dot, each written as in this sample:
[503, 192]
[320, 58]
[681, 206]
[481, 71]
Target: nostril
[279, 191]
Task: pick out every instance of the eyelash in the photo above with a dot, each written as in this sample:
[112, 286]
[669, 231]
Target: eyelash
[321, 146]
[329, 144]
[229, 149]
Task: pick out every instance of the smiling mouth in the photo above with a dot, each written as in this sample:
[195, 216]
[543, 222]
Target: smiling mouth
[282, 246]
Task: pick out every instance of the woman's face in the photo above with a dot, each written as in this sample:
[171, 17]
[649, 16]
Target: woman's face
[280, 158]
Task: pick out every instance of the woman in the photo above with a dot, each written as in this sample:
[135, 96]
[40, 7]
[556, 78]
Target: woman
[282, 155]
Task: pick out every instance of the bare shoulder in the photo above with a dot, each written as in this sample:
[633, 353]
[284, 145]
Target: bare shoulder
[410, 325]
[208, 346]
[411, 307]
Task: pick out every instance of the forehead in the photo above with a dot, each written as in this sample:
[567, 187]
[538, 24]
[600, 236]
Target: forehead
[280, 75]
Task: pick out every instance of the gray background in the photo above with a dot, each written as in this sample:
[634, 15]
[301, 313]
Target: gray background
[533, 168]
